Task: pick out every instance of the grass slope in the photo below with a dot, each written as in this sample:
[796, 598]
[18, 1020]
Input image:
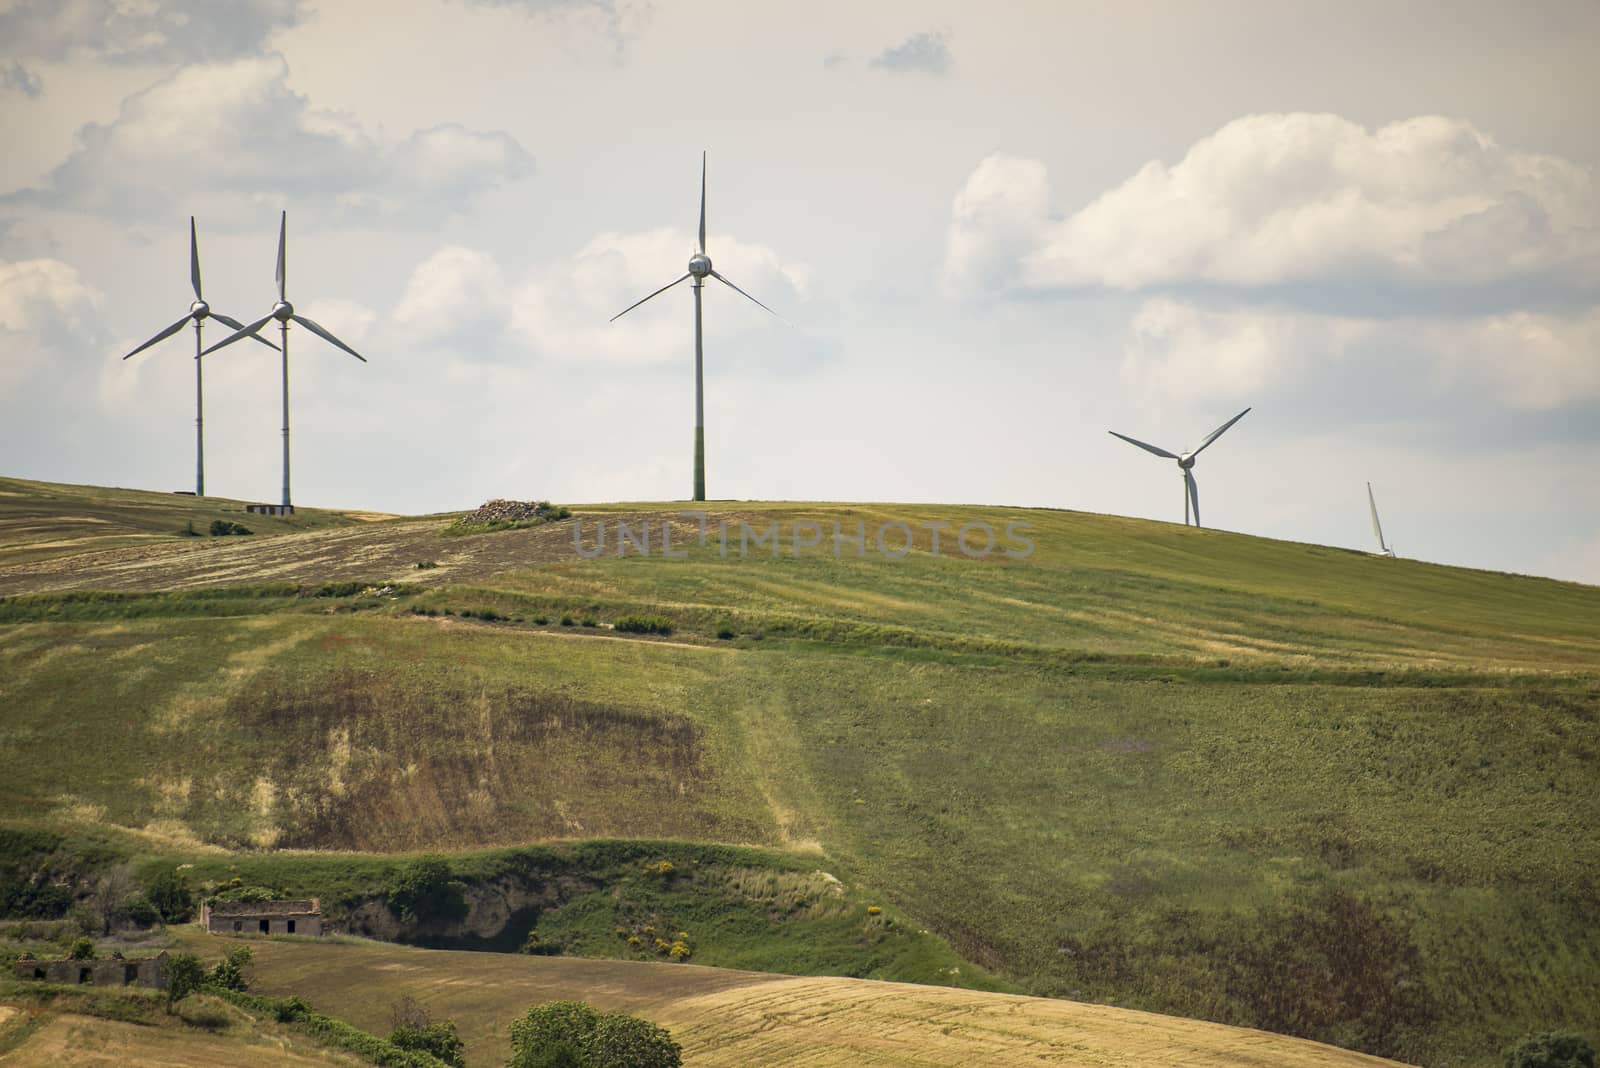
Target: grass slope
[732, 1018]
[1256, 782]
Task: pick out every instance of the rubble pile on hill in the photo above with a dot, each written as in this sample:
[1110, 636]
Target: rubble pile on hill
[501, 514]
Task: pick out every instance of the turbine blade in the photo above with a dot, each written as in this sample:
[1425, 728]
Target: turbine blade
[1217, 433]
[243, 331]
[323, 333]
[194, 260]
[1194, 493]
[636, 303]
[702, 202]
[1142, 445]
[748, 297]
[283, 266]
[168, 332]
[237, 325]
[1377, 528]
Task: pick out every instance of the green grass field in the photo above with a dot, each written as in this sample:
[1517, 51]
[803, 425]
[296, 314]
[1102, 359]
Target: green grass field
[1261, 783]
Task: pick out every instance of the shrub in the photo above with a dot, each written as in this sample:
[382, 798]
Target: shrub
[222, 528]
[644, 625]
[541, 620]
[140, 912]
[553, 1024]
[438, 1039]
[424, 891]
[1554, 1049]
[185, 974]
[566, 620]
[572, 1034]
[623, 1041]
[426, 565]
[229, 975]
[541, 947]
[82, 949]
[589, 621]
[725, 633]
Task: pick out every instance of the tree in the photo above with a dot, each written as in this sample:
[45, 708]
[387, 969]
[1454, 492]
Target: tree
[82, 949]
[185, 975]
[109, 901]
[570, 1034]
[1554, 1049]
[168, 890]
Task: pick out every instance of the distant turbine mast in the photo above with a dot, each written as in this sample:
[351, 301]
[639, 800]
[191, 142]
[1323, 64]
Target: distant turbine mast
[1384, 548]
[699, 268]
[283, 311]
[1191, 491]
[198, 312]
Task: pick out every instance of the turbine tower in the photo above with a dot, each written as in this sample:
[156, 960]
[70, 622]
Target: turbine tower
[283, 311]
[198, 312]
[1191, 492]
[1384, 548]
[699, 269]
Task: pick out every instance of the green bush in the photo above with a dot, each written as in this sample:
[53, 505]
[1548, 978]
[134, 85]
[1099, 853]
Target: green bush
[332, 1032]
[589, 621]
[425, 891]
[82, 949]
[571, 1033]
[644, 625]
[1554, 1049]
[229, 975]
[438, 1039]
[222, 528]
[185, 975]
[426, 565]
[725, 633]
[168, 891]
[567, 620]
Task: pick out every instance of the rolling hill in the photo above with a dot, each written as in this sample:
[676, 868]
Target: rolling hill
[1260, 783]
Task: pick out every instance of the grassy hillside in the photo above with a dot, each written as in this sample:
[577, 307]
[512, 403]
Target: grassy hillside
[1255, 782]
[735, 1019]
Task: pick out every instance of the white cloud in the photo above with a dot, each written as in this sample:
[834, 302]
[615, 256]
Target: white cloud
[995, 221]
[562, 311]
[1181, 353]
[1284, 200]
[48, 315]
[231, 135]
[1538, 362]
[141, 31]
[456, 296]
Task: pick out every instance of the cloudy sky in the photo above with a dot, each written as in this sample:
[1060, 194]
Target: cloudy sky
[999, 230]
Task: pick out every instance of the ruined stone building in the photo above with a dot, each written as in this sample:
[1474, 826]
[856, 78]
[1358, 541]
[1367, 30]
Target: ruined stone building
[114, 971]
[302, 917]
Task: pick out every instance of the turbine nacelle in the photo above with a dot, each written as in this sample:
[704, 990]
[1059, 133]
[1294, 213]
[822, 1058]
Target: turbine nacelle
[283, 311]
[1186, 461]
[198, 310]
[700, 265]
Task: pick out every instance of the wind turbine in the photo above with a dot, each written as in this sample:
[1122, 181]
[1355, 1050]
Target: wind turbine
[283, 311]
[1191, 492]
[1384, 549]
[198, 312]
[699, 268]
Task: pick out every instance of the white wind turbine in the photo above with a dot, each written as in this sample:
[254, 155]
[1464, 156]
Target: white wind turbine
[199, 312]
[284, 312]
[699, 269]
[1384, 548]
[1191, 492]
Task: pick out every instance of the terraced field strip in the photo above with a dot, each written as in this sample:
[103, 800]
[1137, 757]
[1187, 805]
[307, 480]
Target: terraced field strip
[729, 1018]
